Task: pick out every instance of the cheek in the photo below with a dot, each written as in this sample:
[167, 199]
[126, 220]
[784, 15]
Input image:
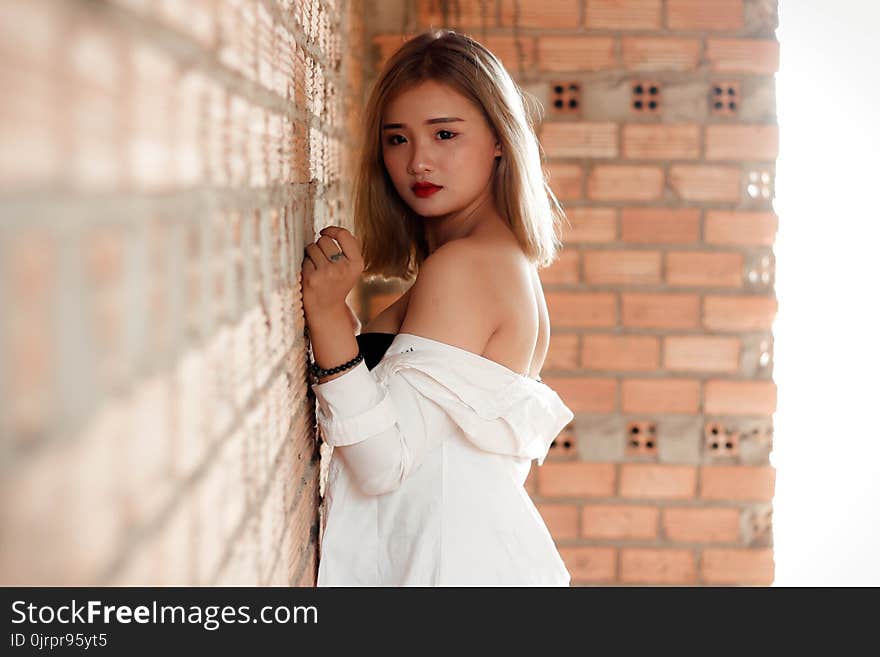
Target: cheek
[391, 162]
[396, 171]
[389, 166]
[474, 162]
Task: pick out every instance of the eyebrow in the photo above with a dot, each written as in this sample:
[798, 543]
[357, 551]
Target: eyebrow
[442, 119]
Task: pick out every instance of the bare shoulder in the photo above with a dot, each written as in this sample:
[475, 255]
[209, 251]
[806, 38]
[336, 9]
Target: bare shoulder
[507, 267]
[521, 340]
[451, 300]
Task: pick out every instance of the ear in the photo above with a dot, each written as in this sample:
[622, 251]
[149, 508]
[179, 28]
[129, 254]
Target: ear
[497, 149]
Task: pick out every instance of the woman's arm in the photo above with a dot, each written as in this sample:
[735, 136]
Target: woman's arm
[329, 273]
[333, 342]
[384, 430]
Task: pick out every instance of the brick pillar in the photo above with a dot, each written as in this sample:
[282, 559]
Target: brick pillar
[660, 136]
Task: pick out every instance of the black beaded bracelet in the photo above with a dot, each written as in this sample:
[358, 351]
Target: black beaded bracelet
[318, 372]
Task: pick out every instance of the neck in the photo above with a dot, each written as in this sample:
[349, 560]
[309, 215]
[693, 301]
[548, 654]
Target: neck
[478, 216]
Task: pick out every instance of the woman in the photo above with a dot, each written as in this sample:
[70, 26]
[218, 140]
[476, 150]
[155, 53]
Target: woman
[435, 411]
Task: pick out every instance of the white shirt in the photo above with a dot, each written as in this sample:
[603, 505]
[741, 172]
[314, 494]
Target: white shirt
[431, 449]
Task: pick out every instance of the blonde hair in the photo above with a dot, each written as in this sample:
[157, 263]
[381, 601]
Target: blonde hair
[392, 235]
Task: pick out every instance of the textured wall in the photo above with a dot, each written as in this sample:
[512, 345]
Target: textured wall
[163, 166]
[660, 136]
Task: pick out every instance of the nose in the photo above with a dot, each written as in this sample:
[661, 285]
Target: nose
[420, 160]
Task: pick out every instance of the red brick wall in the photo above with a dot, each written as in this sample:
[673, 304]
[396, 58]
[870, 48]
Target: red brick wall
[163, 166]
[662, 300]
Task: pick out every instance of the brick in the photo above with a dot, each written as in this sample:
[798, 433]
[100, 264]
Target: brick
[582, 140]
[660, 53]
[705, 15]
[588, 564]
[627, 352]
[738, 566]
[657, 566]
[585, 394]
[51, 496]
[619, 521]
[759, 56]
[625, 183]
[31, 260]
[740, 483]
[590, 225]
[740, 397]
[548, 13]
[302, 521]
[622, 267]
[561, 519]
[309, 569]
[222, 133]
[660, 396]
[463, 13]
[32, 154]
[660, 310]
[565, 180]
[705, 183]
[658, 481]
[582, 309]
[576, 479]
[693, 353]
[742, 142]
[623, 15]
[704, 269]
[660, 225]
[385, 45]
[680, 439]
[562, 354]
[704, 525]
[575, 53]
[740, 228]
[661, 141]
[566, 268]
[739, 312]
[30, 369]
[515, 53]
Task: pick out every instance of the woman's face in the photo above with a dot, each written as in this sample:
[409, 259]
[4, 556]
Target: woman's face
[431, 133]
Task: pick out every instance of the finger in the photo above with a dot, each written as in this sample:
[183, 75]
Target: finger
[347, 242]
[316, 256]
[328, 246]
[308, 268]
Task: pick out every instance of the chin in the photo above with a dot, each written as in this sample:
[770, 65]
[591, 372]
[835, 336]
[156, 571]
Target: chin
[425, 210]
[433, 212]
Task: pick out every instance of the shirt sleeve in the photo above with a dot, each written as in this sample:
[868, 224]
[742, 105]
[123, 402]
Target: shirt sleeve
[383, 428]
[385, 420]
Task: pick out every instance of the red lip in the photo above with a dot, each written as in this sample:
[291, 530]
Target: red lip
[423, 191]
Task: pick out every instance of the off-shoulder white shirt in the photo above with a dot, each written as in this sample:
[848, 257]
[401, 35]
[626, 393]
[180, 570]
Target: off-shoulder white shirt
[431, 449]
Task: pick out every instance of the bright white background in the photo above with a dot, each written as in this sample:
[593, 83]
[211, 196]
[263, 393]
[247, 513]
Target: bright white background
[826, 511]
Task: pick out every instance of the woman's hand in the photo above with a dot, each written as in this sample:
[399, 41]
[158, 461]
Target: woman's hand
[327, 282]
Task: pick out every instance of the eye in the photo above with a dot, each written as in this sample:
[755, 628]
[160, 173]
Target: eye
[391, 139]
